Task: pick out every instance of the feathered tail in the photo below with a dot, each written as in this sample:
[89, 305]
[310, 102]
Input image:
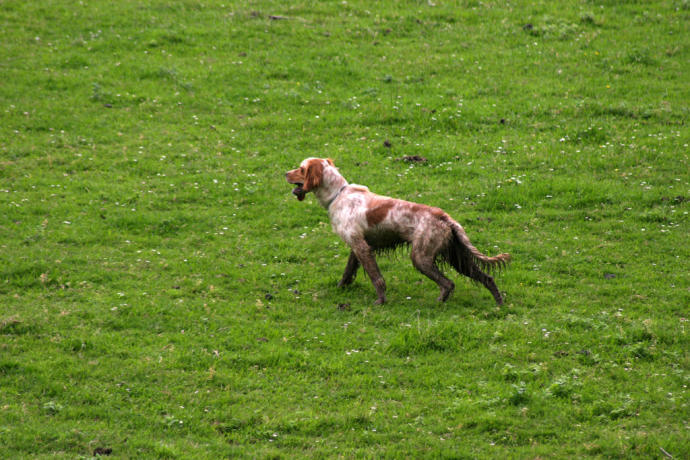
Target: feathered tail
[463, 256]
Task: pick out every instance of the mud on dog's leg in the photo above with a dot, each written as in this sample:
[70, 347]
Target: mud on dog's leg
[350, 270]
[488, 282]
[426, 264]
[366, 257]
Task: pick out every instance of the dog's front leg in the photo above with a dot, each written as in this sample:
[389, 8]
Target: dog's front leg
[350, 270]
[366, 257]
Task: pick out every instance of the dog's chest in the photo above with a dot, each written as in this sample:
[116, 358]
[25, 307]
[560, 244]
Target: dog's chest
[347, 216]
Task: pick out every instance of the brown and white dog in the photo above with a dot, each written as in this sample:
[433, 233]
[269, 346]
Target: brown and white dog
[370, 223]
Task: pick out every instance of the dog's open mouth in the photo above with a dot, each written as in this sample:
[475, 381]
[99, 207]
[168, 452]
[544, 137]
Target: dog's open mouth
[299, 192]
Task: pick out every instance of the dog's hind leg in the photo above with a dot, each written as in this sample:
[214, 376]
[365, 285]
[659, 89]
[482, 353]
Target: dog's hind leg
[350, 270]
[488, 281]
[425, 263]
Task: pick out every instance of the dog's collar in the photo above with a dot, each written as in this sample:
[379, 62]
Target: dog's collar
[328, 205]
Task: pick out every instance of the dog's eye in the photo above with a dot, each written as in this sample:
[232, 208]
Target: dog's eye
[301, 169]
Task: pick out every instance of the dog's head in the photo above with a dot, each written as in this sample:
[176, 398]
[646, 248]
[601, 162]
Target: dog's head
[308, 177]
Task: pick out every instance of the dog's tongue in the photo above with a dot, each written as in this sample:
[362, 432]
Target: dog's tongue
[299, 193]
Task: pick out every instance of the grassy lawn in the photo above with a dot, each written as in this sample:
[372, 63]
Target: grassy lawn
[163, 295]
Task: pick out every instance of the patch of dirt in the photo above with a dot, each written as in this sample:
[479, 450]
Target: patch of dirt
[413, 159]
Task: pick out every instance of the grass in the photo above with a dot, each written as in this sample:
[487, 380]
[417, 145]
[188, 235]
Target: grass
[163, 295]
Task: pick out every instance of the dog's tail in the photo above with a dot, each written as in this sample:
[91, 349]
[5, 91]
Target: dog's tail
[463, 256]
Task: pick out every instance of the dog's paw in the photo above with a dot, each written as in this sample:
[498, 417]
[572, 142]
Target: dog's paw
[345, 282]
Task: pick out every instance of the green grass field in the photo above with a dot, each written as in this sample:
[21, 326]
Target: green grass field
[163, 295]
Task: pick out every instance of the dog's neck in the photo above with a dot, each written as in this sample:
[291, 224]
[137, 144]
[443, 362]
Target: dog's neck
[331, 185]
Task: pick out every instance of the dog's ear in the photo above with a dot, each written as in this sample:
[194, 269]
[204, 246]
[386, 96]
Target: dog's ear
[312, 176]
[330, 162]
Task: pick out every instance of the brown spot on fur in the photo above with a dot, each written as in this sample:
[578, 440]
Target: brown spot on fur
[378, 211]
[411, 208]
[437, 212]
[352, 188]
[419, 209]
[313, 174]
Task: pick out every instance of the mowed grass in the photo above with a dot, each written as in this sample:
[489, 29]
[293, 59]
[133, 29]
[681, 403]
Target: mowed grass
[163, 295]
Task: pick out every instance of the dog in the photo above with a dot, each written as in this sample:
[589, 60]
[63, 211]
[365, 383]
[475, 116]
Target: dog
[371, 223]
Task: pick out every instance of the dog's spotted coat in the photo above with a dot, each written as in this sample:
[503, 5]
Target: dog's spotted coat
[370, 223]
